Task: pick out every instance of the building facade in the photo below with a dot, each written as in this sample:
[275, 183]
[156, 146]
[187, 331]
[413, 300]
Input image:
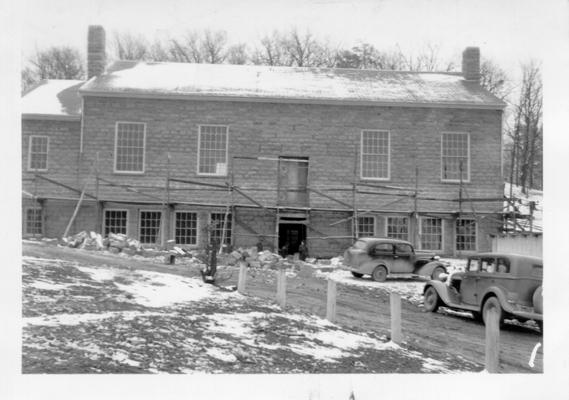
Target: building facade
[188, 152]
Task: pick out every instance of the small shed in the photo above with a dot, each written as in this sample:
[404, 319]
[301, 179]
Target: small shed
[530, 244]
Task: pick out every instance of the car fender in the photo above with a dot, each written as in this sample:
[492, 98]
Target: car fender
[442, 290]
[369, 266]
[427, 269]
[497, 292]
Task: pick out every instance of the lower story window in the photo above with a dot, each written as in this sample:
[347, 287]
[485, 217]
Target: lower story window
[431, 234]
[366, 226]
[217, 233]
[34, 225]
[115, 221]
[186, 227]
[149, 226]
[466, 234]
[398, 228]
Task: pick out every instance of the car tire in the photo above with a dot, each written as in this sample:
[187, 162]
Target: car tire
[493, 303]
[431, 299]
[379, 274]
[357, 274]
[436, 274]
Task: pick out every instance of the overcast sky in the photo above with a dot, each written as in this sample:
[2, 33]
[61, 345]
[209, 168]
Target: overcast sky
[507, 31]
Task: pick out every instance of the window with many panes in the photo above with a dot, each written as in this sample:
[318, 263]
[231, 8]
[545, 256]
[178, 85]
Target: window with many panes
[34, 223]
[186, 227]
[130, 141]
[212, 152]
[149, 226]
[398, 228]
[217, 221]
[37, 153]
[431, 234]
[466, 234]
[115, 221]
[366, 226]
[455, 157]
[375, 154]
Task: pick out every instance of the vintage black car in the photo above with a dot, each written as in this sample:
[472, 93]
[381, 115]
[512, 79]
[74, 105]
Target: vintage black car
[379, 257]
[510, 283]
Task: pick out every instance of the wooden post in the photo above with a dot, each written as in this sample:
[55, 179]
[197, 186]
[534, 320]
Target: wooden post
[99, 221]
[242, 281]
[492, 359]
[416, 210]
[281, 288]
[331, 301]
[395, 303]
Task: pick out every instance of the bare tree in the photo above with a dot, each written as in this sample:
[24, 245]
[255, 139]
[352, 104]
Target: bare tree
[213, 46]
[428, 59]
[494, 79]
[131, 47]
[303, 50]
[238, 54]
[366, 56]
[54, 63]
[526, 158]
[271, 51]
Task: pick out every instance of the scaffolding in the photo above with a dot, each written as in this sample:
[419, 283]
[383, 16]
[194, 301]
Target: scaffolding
[281, 211]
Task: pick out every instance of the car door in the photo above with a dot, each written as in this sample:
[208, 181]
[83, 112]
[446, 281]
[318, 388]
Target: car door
[468, 287]
[382, 253]
[403, 259]
[488, 275]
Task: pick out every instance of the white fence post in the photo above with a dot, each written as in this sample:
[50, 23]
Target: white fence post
[331, 301]
[395, 303]
[492, 359]
[242, 281]
[281, 288]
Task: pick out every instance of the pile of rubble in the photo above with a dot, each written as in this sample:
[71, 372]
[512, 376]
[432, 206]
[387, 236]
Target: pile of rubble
[115, 242]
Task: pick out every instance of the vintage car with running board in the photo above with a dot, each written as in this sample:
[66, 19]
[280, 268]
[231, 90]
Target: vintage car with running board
[379, 257]
[509, 283]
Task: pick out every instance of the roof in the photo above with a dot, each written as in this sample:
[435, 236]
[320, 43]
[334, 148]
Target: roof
[509, 255]
[53, 99]
[383, 240]
[289, 84]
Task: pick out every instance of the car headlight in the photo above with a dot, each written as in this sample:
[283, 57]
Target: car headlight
[436, 258]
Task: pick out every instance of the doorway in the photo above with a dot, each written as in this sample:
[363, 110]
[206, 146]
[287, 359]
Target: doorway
[291, 235]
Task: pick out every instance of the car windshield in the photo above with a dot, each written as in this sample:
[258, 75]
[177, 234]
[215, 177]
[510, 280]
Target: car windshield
[360, 244]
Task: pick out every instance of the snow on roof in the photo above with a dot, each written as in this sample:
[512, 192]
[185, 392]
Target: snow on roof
[53, 98]
[290, 84]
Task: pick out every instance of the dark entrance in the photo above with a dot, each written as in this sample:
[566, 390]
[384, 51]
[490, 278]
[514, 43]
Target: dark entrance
[291, 235]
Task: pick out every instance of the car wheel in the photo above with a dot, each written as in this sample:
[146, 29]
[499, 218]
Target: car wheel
[357, 274]
[431, 299]
[379, 274]
[493, 303]
[436, 275]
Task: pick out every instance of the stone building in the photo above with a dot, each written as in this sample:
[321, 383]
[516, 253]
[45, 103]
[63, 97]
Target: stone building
[186, 152]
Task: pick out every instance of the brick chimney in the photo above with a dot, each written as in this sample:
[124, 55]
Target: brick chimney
[471, 64]
[96, 56]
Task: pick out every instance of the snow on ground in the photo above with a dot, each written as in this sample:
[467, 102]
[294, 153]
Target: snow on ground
[523, 201]
[159, 322]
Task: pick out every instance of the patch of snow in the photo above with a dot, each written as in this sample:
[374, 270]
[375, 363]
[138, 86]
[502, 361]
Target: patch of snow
[42, 285]
[329, 354]
[221, 355]
[101, 274]
[161, 289]
[123, 357]
[76, 319]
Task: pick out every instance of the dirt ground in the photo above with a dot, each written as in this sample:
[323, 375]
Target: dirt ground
[358, 307]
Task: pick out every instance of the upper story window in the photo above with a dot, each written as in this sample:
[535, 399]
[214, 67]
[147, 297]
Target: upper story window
[37, 153]
[212, 150]
[130, 141]
[455, 157]
[375, 155]
[366, 226]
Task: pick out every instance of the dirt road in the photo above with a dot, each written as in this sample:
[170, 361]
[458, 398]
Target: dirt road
[357, 307]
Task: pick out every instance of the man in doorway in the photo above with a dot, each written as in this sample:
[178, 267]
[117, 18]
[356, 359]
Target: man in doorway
[303, 251]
